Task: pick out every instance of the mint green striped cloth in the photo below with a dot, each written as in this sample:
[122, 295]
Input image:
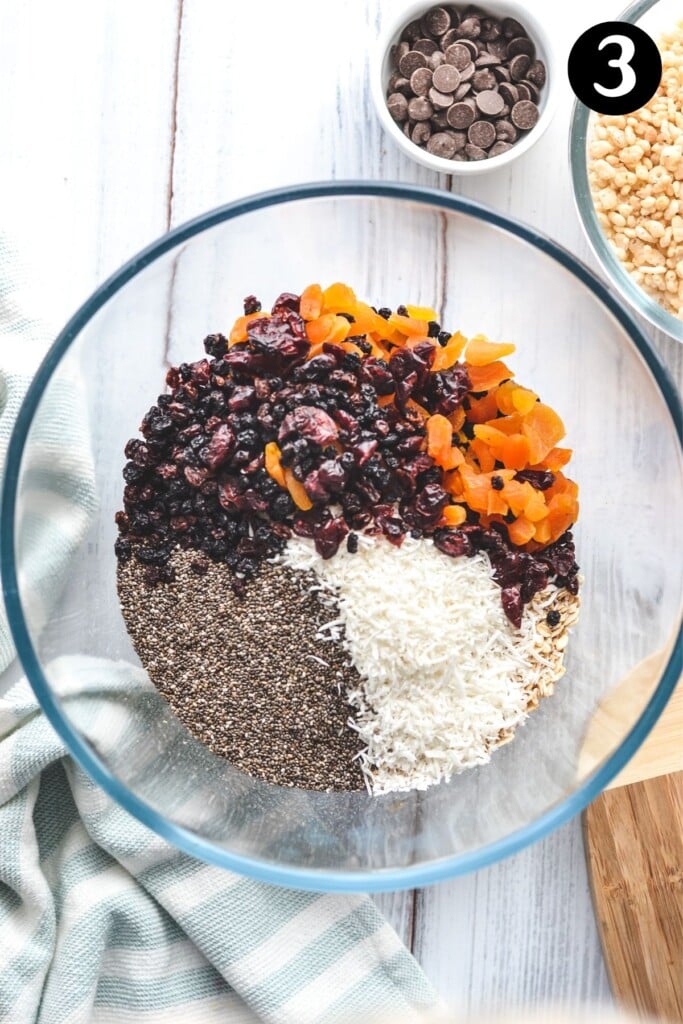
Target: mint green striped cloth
[100, 919]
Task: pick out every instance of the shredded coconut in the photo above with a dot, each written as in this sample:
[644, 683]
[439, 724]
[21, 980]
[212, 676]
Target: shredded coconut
[444, 676]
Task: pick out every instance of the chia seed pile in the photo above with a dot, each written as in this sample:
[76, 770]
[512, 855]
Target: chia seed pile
[210, 654]
[230, 635]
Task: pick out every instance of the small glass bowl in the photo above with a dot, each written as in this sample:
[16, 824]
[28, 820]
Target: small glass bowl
[655, 17]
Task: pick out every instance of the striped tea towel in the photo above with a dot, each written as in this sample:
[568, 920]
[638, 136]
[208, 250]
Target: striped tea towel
[102, 921]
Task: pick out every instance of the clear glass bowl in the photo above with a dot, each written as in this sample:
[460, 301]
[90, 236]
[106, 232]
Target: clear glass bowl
[484, 272]
[655, 17]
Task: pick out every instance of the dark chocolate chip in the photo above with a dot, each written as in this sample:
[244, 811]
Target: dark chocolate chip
[506, 131]
[420, 109]
[537, 74]
[470, 28]
[508, 92]
[486, 60]
[442, 144]
[440, 100]
[411, 61]
[403, 85]
[490, 29]
[412, 31]
[426, 46]
[482, 80]
[482, 134]
[522, 44]
[437, 21]
[498, 148]
[446, 78]
[490, 103]
[512, 28]
[439, 119]
[523, 91]
[468, 73]
[470, 45]
[460, 115]
[498, 47]
[449, 38]
[534, 93]
[524, 115]
[519, 66]
[421, 132]
[421, 81]
[457, 55]
[399, 51]
[460, 139]
[436, 60]
[397, 105]
[475, 152]
[462, 91]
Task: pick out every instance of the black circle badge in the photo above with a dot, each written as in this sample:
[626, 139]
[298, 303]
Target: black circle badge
[615, 68]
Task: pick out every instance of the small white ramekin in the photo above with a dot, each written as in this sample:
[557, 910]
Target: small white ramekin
[380, 72]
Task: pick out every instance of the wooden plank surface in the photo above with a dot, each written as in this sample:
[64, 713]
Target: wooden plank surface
[634, 843]
[120, 119]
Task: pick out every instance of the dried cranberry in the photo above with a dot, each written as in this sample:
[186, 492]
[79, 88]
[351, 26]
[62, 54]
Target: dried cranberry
[446, 389]
[220, 446]
[195, 477]
[332, 475]
[431, 501]
[346, 421]
[173, 377]
[541, 479]
[239, 358]
[241, 398]
[328, 536]
[311, 423]
[315, 488]
[342, 379]
[363, 451]
[287, 300]
[560, 556]
[534, 580]
[251, 305]
[410, 446]
[453, 542]
[376, 372]
[513, 607]
[390, 524]
[200, 371]
[405, 362]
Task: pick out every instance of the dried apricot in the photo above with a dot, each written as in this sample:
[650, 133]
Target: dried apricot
[482, 352]
[311, 302]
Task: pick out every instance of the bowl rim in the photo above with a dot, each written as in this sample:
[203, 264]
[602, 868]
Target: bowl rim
[462, 168]
[619, 277]
[320, 880]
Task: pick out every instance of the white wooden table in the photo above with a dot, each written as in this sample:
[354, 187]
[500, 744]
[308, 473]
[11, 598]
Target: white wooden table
[120, 119]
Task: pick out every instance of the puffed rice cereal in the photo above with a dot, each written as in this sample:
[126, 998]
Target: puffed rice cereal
[635, 170]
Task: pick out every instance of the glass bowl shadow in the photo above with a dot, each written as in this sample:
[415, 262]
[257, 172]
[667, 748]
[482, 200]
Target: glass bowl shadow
[485, 273]
[655, 17]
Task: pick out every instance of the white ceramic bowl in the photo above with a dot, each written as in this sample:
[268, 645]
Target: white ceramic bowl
[381, 70]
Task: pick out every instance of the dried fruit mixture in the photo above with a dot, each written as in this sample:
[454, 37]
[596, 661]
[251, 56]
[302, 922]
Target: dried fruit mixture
[333, 422]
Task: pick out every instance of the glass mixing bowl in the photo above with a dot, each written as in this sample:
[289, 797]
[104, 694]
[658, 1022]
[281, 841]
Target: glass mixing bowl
[484, 273]
[655, 17]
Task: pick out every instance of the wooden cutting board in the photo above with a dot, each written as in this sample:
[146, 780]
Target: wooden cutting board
[633, 834]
